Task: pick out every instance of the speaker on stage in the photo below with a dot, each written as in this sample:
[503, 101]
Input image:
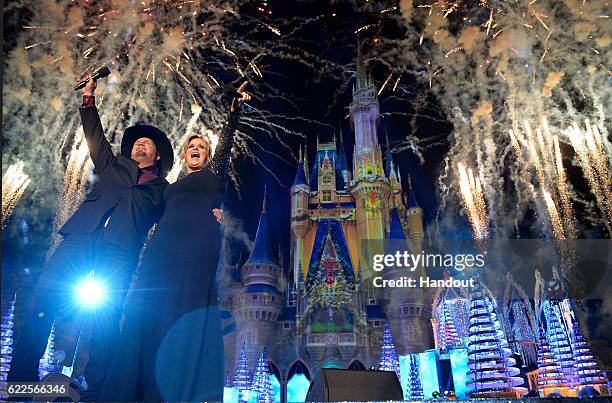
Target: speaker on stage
[331, 385]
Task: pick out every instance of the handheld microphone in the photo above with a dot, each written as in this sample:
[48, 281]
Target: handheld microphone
[230, 92]
[100, 73]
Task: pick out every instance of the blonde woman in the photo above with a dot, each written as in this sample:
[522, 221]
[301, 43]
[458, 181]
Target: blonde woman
[171, 348]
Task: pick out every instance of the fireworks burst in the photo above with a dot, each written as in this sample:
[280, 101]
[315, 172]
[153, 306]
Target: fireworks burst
[74, 186]
[474, 202]
[495, 67]
[164, 56]
[14, 184]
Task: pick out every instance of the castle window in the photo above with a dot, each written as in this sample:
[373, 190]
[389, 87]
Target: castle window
[376, 323]
[254, 297]
[326, 196]
[273, 299]
[286, 325]
[291, 303]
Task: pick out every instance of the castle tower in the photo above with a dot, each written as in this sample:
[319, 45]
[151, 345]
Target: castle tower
[299, 219]
[408, 313]
[369, 187]
[258, 305]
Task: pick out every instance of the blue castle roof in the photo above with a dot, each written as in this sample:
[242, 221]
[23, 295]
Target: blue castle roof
[262, 250]
[342, 162]
[396, 231]
[300, 176]
[412, 201]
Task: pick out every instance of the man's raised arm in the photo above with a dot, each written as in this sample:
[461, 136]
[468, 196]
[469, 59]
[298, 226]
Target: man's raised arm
[99, 147]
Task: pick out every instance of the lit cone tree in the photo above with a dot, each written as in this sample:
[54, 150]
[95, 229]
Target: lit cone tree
[492, 369]
[415, 388]
[44, 365]
[447, 330]
[388, 355]
[559, 342]
[587, 369]
[550, 377]
[261, 380]
[6, 352]
[242, 380]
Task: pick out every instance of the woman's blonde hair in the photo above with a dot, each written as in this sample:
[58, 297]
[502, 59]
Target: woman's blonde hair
[206, 145]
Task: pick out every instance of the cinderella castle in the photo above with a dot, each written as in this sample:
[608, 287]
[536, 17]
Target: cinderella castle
[282, 322]
[315, 313]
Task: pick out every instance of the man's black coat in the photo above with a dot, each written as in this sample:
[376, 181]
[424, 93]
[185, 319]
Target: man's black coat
[132, 208]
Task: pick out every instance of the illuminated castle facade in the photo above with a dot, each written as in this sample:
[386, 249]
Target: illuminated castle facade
[318, 311]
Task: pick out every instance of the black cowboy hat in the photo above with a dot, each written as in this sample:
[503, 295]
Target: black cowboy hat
[164, 148]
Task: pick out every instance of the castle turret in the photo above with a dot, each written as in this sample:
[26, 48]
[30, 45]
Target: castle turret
[408, 314]
[299, 218]
[414, 219]
[259, 304]
[369, 187]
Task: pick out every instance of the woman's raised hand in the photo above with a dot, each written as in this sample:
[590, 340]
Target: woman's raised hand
[244, 96]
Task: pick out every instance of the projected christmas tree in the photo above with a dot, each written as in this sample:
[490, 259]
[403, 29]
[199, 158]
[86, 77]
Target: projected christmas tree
[242, 380]
[44, 365]
[587, 369]
[448, 331]
[415, 389]
[550, 377]
[388, 356]
[261, 380]
[559, 342]
[492, 369]
[6, 340]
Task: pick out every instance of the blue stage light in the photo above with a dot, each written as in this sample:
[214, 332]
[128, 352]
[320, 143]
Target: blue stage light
[90, 292]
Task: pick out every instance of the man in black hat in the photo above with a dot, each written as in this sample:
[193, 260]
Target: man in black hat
[102, 241]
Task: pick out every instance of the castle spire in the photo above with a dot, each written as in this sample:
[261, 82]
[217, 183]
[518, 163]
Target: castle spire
[412, 201]
[262, 249]
[362, 78]
[396, 231]
[342, 161]
[300, 175]
[389, 166]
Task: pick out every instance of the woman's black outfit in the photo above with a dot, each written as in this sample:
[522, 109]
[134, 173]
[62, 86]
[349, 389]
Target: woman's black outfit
[171, 346]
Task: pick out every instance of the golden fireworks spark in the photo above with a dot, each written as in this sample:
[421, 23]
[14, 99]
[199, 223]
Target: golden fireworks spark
[74, 187]
[14, 184]
[474, 202]
[592, 158]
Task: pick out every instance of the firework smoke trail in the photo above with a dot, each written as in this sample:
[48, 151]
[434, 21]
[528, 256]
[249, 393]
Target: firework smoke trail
[540, 58]
[164, 56]
[74, 187]
[595, 166]
[14, 184]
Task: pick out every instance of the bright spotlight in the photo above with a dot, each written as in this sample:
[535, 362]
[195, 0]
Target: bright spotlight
[90, 292]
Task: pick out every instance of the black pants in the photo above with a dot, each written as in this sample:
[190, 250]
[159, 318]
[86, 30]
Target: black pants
[55, 295]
